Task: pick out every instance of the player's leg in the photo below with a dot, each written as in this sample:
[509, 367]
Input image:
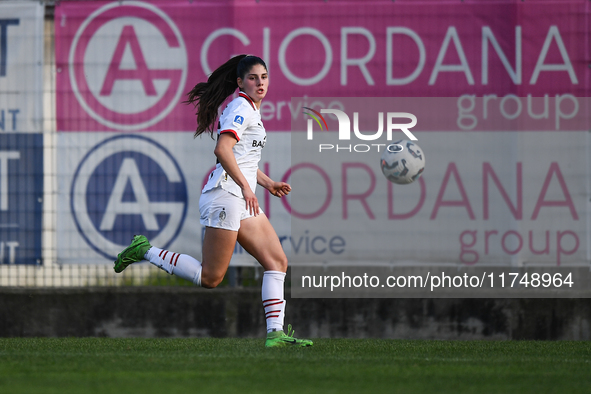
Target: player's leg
[221, 220]
[178, 264]
[218, 246]
[257, 237]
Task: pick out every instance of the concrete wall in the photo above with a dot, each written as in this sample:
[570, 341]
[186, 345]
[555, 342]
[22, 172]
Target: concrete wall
[195, 312]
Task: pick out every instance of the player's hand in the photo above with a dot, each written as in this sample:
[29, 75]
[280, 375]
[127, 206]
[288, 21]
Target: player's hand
[279, 189]
[252, 203]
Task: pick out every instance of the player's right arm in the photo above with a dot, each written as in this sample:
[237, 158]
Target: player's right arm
[225, 155]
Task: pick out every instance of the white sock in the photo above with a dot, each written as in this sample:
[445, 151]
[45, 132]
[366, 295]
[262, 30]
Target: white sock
[273, 301]
[178, 264]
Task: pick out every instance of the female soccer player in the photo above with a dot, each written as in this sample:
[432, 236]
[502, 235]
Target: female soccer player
[228, 206]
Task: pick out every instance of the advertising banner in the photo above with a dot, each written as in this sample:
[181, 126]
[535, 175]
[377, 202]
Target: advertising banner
[21, 60]
[125, 65]
[21, 141]
[21, 198]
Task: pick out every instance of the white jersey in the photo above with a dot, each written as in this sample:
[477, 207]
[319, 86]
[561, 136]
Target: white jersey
[243, 120]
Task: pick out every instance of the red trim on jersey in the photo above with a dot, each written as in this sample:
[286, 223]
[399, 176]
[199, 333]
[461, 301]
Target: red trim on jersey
[244, 95]
[172, 257]
[164, 257]
[272, 316]
[271, 299]
[160, 254]
[271, 312]
[177, 259]
[231, 131]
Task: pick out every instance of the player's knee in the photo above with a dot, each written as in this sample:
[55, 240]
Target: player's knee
[282, 264]
[211, 281]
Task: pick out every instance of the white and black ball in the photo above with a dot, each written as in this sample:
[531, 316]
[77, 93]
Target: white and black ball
[402, 162]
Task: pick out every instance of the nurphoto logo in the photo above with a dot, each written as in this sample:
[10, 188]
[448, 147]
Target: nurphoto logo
[345, 129]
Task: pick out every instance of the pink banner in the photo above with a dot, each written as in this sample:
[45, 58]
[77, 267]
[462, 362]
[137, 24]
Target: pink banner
[127, 65]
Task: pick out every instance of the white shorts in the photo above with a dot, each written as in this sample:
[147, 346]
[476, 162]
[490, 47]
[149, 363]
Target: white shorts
[222, 209]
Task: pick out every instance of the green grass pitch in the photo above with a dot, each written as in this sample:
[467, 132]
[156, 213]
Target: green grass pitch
[163, 366]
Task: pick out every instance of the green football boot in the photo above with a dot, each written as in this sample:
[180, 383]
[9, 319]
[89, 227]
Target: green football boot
[280, 339]
[133, 253]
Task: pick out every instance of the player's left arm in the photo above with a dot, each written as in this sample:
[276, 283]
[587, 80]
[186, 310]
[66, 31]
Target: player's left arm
[278, 189]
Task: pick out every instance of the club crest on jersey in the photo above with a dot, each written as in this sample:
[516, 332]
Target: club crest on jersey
[238, 120]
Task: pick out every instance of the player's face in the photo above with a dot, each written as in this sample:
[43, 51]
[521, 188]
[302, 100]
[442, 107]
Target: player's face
[255, 83]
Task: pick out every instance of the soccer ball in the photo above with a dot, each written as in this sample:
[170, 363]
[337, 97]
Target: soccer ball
[402, 162]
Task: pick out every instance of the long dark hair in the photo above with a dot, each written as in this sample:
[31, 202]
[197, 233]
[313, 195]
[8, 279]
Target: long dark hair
[208, 96]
